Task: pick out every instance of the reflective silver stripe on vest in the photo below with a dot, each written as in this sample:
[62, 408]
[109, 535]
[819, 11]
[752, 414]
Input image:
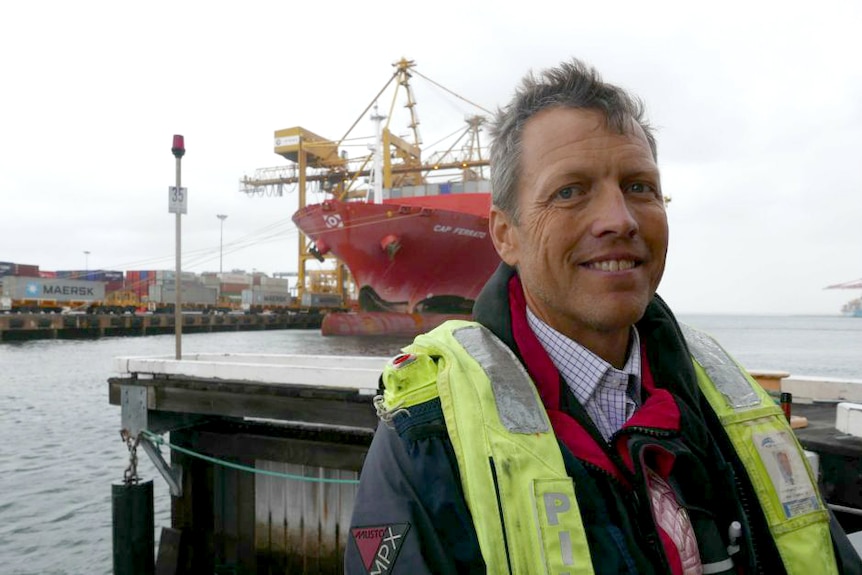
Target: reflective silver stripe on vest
[721, 369]
[514, 393]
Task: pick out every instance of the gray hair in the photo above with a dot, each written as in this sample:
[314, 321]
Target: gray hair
[572, 84]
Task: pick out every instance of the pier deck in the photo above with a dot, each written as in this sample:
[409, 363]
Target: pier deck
[15, 327]
[303, 422]
[840, 460]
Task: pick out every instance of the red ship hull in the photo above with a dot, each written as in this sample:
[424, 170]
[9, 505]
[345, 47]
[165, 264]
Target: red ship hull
[422, 254]
[383, 323]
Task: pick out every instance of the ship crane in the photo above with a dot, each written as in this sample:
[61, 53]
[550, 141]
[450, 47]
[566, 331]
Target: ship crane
[318, 165]
[854, 284]
[470, 159]
[852, 308]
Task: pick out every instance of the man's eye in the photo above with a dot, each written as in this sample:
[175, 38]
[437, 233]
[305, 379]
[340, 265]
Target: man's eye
[641, 188]
[566, 193]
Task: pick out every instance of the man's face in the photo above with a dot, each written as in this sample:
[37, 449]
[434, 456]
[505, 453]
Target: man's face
[592, 235]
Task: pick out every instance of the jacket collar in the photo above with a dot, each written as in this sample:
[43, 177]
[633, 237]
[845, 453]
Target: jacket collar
[668, 375]
[665, 351]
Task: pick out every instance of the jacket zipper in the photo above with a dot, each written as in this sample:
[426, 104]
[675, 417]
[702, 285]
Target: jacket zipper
[649, 431]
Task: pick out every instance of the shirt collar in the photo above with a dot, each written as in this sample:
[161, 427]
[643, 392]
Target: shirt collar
[583, 370]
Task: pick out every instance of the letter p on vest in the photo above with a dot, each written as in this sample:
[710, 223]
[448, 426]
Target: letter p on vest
[556, 503]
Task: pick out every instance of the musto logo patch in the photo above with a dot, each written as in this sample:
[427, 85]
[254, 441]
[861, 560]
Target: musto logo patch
[379, 546]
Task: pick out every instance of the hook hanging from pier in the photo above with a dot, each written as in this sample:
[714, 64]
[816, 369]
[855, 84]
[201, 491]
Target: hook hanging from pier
[134, 417]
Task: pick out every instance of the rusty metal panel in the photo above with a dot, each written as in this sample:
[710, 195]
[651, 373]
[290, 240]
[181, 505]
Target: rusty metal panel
[301, 526]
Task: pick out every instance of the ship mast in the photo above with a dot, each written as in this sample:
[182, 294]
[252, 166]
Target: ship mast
[404, 66]
[377, 174]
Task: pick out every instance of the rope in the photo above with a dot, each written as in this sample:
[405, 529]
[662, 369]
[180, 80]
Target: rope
[159, 440]
[487, 111]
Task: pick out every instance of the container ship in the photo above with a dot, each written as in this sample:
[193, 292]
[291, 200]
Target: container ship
[852, 308]
[411, 232]
[429, 254]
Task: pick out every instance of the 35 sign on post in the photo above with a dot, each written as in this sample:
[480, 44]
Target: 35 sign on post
[178, 200]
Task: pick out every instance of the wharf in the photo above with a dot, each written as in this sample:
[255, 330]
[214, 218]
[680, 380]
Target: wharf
[266, 450]
[839, 464]
[290, 434]
[16, 327]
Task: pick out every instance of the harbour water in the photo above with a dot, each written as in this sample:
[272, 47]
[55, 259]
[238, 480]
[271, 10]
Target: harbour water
[60, 447]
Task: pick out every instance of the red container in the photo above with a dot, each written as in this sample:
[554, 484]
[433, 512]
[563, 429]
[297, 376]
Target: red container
[232, 289]
[132, 278]
[27, 271]
[138, 282]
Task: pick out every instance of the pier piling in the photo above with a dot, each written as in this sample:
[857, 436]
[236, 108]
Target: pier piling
[133, 527]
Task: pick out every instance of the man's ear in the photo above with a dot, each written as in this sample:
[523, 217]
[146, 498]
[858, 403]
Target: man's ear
[504, 235]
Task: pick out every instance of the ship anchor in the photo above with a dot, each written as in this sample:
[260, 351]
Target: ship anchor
[390, 244]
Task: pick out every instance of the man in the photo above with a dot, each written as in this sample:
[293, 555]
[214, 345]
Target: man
[575, 427]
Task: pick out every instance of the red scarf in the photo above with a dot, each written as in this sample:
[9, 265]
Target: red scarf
[659, 411]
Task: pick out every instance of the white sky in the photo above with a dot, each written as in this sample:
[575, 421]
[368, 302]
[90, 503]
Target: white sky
[758, 105]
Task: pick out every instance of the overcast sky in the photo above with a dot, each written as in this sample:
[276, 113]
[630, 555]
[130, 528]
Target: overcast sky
[758, 106]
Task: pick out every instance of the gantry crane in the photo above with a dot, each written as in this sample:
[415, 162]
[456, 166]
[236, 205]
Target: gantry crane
[319, 164]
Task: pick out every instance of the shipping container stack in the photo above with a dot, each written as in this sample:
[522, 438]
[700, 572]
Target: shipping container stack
[35, 294]
[11, 269]
[113, 280]
[192, 295]
[139, 281]
[5, 270]
[231, 286]
[19, 270]
[158, 289]
[231, 290]
[267, 294]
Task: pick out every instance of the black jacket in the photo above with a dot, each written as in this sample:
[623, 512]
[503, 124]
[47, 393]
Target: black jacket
[410, 515]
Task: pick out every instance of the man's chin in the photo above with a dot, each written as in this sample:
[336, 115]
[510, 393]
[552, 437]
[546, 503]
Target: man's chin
[614, 318]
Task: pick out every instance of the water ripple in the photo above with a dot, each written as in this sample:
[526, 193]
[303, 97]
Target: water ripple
[65, 451]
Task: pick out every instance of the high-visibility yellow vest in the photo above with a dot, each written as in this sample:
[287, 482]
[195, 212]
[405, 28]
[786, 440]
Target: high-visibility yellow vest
[521, 499]
[515, 484]
[772, 456]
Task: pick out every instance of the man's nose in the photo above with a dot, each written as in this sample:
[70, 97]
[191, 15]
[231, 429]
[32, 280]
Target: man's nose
[612, 213]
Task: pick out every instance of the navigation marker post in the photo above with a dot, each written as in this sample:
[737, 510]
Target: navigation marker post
[178, 204]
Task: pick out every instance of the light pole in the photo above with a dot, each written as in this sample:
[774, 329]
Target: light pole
[86, 261]
[178, 149]
[222, 217]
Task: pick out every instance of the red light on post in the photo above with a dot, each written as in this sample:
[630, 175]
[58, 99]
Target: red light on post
[179, 146]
